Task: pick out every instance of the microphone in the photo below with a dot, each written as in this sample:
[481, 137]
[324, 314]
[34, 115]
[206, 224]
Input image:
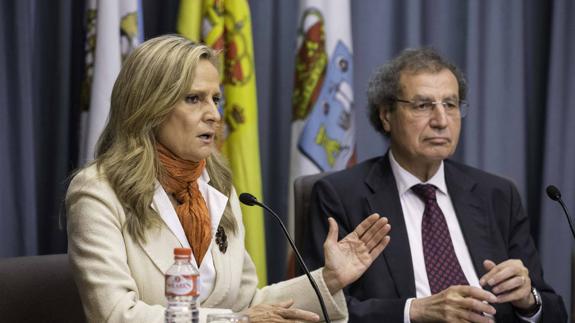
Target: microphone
[250, 200]
[554, 194]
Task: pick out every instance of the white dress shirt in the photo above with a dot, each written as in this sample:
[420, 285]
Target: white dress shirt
[413, 208]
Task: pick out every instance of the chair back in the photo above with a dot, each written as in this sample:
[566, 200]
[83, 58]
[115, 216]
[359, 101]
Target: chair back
[39, 289]
[302, 199]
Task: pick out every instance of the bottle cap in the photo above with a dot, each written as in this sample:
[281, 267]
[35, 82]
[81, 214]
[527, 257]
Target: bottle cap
[182, 252]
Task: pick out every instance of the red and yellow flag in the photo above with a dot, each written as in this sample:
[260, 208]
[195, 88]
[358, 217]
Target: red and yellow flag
[226, 25]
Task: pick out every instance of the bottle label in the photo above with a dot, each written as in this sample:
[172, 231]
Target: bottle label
[182, 285]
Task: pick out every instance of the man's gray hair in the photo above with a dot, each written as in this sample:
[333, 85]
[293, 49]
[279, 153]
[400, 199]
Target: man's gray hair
[385, 87]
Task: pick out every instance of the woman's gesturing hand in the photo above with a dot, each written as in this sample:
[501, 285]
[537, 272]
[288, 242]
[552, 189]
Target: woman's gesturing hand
[346, 260]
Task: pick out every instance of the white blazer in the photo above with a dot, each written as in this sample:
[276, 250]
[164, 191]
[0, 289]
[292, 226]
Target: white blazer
[122, 280]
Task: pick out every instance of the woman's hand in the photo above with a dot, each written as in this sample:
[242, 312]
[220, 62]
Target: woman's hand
[348, 259]
[280, 312]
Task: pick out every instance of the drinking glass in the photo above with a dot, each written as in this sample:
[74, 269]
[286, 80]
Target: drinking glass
[228, 318]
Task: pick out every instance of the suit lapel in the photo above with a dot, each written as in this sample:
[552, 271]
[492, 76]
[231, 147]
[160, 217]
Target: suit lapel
[160, 242]
[222, 264]
[167, 236]
[472, 216]
[163, 206]
[384, 199]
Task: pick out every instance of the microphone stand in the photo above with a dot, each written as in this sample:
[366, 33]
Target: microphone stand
[554, 194]
[568, 217]
[252, 201]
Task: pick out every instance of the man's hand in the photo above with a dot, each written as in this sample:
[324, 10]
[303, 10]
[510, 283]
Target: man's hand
[510, 281]
[348, 259]
[280, 312]
[454, 304]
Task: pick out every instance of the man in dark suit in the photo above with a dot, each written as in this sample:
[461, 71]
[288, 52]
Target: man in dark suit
[460, 246]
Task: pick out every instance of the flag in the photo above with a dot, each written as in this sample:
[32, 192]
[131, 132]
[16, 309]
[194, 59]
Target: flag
[189, 19]
[323, 114]
[226, 25]
[112, 33]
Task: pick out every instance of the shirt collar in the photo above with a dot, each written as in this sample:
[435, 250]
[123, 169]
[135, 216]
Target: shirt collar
[205, 177]
[215, 200]
[405, 180]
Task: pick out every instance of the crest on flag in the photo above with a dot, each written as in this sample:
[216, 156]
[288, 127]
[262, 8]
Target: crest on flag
[128, 33]
[113, 31]
[224, 30]
[323, 97]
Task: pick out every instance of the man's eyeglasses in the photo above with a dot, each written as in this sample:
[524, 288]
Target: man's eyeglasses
[423, 108]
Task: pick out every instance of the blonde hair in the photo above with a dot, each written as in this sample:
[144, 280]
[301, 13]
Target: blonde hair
[153, 78]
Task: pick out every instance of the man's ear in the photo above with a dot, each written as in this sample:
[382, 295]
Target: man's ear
[384, 115]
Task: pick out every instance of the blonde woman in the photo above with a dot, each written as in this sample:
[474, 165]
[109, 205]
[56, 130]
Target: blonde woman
[158, 183]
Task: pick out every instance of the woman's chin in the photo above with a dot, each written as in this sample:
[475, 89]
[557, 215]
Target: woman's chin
[198, 155]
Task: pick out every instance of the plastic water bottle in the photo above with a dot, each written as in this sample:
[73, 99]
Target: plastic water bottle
[182, 290]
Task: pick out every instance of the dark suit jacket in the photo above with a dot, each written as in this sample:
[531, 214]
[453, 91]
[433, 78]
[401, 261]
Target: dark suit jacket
[488, 209]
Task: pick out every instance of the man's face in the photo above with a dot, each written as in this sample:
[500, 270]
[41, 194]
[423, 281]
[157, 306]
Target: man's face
[423, 141]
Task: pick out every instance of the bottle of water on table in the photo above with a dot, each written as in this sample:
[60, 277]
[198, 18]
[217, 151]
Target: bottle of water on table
[182, 290]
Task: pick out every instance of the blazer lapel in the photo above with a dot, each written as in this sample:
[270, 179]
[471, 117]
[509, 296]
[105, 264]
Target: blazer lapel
[384, 200]
[158, 242]
[221, 264]
[165, 209]
[471, 214]
[167, 236]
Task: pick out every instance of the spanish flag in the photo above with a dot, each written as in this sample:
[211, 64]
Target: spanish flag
[226, 25]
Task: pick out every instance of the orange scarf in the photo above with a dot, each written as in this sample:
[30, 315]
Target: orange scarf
[180, 179]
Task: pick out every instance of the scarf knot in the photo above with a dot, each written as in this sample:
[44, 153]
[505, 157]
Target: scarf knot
[180, 179]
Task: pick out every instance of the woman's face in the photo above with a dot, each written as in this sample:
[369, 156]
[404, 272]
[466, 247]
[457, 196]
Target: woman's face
[190, 128]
